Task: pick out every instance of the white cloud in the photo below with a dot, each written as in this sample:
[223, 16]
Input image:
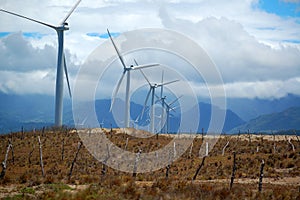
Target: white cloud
[30, 82]
[248, 45]
[19, 55]
[249, 68]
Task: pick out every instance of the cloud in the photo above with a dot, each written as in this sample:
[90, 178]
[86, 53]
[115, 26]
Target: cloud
[248, 67]
[19, 55]
[25, 69]
[30, 82]
[248, 44]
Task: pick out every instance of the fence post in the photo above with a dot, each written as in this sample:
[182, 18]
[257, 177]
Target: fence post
[75, 158]
[30, 154]
[41, 157]
[199, 167]
[233, 170]
[103, 172]
[223, 151]
[293, 147]
[4, 165]
[136, 162]
[126, 144]
[261, 175]
[191, 149]
[62, 149]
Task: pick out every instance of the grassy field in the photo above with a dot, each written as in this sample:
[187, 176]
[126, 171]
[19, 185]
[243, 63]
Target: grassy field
[24, 180]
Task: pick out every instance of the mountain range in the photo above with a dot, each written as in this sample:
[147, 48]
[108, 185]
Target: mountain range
[286, 120]
[36, 111]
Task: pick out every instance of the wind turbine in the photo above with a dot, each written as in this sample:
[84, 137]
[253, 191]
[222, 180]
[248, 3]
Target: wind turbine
[168, 109]
[152, 92]
[126, 70]
[61, 61]
[162, 104]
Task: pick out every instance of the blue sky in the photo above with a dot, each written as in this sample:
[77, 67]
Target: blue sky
[281, 8]
[247, 39]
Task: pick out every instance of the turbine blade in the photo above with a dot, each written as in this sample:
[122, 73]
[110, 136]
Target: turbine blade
[175, 100]
[174, 109]
[18, 15]
[120, 57]
[136, 63]
[167, 83]
[116, 91]
[162, 82]
[70, 12]
[67, 76]
[158, 98]
[144, 66]
[148, 95]
[145, 77]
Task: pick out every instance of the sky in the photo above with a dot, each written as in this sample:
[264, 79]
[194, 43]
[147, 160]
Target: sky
[255, 44]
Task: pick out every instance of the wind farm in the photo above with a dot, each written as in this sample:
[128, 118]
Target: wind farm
[126, 71]
[151, 92]
[165, 101]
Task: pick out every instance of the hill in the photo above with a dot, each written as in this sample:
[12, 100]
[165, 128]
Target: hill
[249, 109]
[36, 111]
[288, 119]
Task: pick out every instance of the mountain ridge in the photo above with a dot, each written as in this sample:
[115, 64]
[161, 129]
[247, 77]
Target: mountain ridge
[288, 119]
[36, 111]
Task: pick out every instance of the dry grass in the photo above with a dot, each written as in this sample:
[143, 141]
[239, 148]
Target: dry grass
[24, 179]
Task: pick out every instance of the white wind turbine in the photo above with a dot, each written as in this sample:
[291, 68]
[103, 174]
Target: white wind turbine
[162, 104]
[152, 91]
[126, 70]
[168, 109]
[61, 61]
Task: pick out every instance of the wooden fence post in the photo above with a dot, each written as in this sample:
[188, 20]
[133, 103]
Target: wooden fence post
[126, 144]
[274, 143]
[12, 151]
[103, 172]
[62, 149]
[261, 175]
[206, 149]
[75, 158]
[4, 163]
[41, 157]
[198, 169]
[223, 151]
[138, 154]
[249, 136]
[293, 147]
[30, 154]
[191, 149]
[233, 170]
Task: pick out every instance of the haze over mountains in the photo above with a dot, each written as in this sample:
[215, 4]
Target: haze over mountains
[36, 111]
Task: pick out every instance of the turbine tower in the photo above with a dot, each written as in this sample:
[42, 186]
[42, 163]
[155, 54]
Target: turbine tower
[126, 70]
[162, 104]
[61, 61]
[168, 109]
[152, 92]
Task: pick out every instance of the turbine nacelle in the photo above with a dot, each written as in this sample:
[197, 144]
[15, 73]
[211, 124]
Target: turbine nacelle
[63, 27]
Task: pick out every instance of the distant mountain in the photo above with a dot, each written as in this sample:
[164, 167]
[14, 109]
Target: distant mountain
[36, 111]
[29, 111]
[285, 120]
[249, 109]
